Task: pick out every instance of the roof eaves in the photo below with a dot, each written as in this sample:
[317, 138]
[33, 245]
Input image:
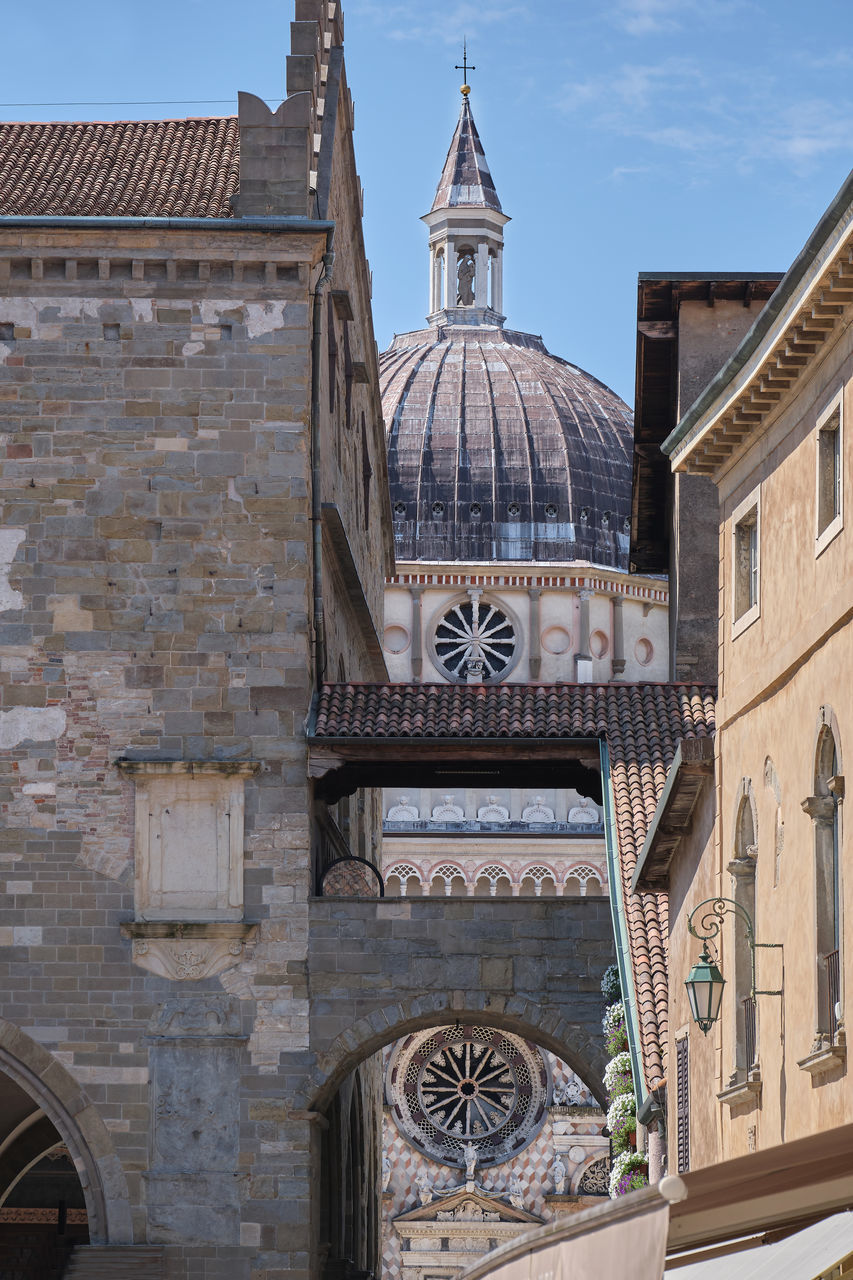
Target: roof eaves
[692, 763]
[804, 273]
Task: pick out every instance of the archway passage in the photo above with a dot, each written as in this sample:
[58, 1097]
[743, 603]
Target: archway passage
[42, 1207]
[380, 969]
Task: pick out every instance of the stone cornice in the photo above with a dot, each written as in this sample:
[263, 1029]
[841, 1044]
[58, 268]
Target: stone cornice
[558, 577]
[812, 301]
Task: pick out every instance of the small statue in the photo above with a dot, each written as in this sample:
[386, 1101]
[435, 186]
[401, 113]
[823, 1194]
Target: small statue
[516, 1192]
[558, 1173]
[470, 1160]
[422, 1183]
[386, 1172]
[465, 277]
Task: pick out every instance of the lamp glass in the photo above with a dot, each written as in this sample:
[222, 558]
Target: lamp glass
[705, 991]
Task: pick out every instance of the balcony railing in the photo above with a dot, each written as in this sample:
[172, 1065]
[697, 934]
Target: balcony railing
[749, 1041]
[833, 991]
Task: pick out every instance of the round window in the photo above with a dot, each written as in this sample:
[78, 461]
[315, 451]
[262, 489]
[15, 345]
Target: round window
[466, 1084]
[476, 641]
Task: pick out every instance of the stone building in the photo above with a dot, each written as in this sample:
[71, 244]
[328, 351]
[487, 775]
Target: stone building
[757, 823]
[195, 527]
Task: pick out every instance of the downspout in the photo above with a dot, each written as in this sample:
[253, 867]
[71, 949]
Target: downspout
[316, 496]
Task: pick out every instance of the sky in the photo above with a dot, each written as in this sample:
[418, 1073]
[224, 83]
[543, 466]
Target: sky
[622, 135]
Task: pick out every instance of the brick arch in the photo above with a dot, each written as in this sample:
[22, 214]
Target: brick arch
[89, 1143]
[570, 1041]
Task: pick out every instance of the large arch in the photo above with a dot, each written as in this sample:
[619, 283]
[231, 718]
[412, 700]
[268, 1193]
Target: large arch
[68, 1109]
[570, 1041]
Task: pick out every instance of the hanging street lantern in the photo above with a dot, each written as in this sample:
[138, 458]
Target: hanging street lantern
[705, 991]
[705, 982]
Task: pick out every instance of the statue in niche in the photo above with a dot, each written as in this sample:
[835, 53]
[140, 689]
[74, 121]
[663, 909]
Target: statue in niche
[516, 1192]
[465, 277]
[386, 1172]
[470, 1160]
[558, 1173]
[424, 1187]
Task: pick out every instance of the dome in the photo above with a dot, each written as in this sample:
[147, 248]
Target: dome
[498, 450]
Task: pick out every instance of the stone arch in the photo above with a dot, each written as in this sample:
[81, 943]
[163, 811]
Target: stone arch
[597, 1158]
[571, 1042]
[70, 1111]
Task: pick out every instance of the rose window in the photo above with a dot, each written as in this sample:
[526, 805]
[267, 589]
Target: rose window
[475, 640]
[468, 1084]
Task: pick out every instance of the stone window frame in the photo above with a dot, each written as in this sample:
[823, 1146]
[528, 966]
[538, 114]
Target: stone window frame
[825, 808]
[829, 472]
[746, 577]
[742, 869]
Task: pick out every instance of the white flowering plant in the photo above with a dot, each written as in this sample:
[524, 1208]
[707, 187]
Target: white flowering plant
[629, 1172]
[622, 1120]
[617, 1075]
[615, 1030]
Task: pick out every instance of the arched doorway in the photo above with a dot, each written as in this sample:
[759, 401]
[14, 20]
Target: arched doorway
[42, 1206]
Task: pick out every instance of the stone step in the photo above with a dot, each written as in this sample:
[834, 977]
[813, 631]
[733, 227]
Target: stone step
[119, 1262]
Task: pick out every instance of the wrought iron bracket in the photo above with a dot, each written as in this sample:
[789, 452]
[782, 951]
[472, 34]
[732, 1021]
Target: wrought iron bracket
[715, 910]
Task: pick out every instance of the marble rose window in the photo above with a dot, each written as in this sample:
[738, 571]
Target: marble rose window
[451, 1086]
[475, 640]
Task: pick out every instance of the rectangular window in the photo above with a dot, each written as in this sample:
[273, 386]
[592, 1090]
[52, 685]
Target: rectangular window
[682, 1105]
[829, 474]
[746, 575]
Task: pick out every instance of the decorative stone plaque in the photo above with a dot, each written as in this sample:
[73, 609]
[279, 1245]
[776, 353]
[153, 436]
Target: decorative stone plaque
[189, 839]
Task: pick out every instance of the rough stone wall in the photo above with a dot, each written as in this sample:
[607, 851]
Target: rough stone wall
[154, 401]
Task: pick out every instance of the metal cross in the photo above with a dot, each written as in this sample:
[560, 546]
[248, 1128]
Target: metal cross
[465, 67]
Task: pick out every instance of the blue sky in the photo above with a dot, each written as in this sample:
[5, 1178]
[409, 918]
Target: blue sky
[624, 135]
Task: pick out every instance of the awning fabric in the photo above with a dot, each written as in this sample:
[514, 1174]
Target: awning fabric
[609, 1240]
[808, 1255]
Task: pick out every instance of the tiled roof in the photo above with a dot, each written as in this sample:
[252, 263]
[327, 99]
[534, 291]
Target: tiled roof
[125, 168]
[641, 724]
[465, 178]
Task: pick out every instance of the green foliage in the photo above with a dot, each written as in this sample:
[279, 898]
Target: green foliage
[611, 988]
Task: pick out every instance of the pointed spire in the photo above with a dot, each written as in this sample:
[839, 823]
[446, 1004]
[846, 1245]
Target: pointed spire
[465, 179]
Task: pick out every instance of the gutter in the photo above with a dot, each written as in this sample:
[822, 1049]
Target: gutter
[620, 935]
[171, 224]
[800, 267]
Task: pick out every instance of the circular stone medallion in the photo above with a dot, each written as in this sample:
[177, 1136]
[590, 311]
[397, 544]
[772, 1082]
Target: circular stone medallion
[456, 1085]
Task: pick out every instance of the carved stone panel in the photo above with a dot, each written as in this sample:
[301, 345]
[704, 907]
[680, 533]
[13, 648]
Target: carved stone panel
[188, 845]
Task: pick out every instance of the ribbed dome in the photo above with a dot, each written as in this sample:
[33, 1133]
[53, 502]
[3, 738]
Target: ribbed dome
[498, 450]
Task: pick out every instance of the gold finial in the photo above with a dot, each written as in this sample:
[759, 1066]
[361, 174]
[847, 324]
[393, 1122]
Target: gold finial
[465, 89]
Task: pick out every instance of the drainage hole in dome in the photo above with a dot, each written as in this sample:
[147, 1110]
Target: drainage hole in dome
[551, 511]
[438, 508]
[476, 510]
[399, 508]
[514, 510]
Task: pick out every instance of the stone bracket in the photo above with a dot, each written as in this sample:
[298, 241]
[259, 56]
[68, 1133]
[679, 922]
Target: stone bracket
[187, 952]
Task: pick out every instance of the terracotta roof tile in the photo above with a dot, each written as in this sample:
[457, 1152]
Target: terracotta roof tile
[124, 168]
[641, 724]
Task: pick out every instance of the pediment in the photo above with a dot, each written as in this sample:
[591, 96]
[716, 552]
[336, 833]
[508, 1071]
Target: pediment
[467, 1206]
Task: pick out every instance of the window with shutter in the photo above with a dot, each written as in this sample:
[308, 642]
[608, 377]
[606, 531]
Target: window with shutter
[682, 1105]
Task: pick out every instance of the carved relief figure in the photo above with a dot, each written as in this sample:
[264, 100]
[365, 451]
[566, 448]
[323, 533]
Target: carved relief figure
[558, 1173]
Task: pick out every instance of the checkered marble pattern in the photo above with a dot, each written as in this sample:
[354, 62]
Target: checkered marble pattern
[532, 1166]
